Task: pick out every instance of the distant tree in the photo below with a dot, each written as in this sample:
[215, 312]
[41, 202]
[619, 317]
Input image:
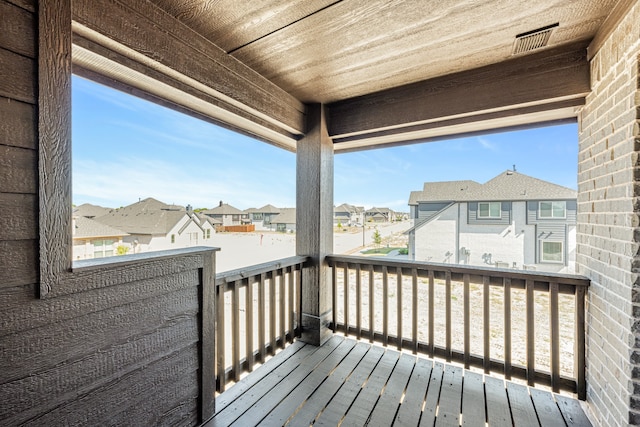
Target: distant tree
[122, 250]
[377, 238]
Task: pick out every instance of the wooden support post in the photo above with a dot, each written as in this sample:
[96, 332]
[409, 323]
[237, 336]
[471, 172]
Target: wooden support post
[207, 338]
[314, 224]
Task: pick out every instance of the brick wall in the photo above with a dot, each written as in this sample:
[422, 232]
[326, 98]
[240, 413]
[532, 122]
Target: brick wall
[608, 226]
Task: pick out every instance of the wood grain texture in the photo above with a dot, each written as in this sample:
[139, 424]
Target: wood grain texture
[207, 338]
[43, 391]
[152, 32]
[21, 313]
[18, 124]
[54, 133]
[131, 395]
[18, 260]
[16, 77]
[17, 30]
[18, 216]
[29, 5]
[18, 170]
[553, 73]
[473, 413]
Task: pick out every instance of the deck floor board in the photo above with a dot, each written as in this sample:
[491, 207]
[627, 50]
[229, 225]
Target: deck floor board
[346, 382]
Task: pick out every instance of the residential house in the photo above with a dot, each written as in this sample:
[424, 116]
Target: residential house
[285, 221]
[92, 239]
[346, 214]
[207, 223]
[88, 210]
[379, 215]
[399, 74]
[512, 221]
[261, 217]
[154, 226]
[228, 214]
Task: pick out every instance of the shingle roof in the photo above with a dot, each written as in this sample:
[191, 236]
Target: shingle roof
[90, 211]
[270, 209]
[286, 216]
[345, 207]
[148, 216]
[508, 185]
[88, 228]
[224, 209]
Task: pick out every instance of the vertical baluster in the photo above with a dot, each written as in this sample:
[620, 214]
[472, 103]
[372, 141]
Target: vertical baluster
[272, 312]
[385, 306]
[399, 305]
[249, 322]
[414, 310]
[486, 323]
[298, 300]
[531, 333]
[262, 320]
[371, 305]
[507, 327]
[334, 299]
[358, 302]
[448, 314]
[579, 345]
[220, 337]
[555, 336]
[235, 329]
[291, 309]
[345, 285]
[467, 321]
[282, 275]
[432, 316]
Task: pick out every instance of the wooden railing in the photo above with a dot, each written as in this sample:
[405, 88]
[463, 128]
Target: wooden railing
[526, 325]
[257, 311]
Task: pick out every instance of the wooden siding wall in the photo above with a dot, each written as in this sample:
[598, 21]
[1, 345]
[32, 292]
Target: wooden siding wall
[428, 210]
[125, 354]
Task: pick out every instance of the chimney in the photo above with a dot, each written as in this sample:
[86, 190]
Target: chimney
[189, 208]
[220, 203]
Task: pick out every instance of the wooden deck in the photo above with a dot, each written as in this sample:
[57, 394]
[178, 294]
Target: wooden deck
[355, 383]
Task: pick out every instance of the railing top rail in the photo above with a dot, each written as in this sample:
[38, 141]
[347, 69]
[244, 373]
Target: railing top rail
[254, 270]
[568, 279]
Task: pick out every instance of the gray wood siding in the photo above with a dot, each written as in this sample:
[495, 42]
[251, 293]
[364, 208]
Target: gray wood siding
[427, 210]
[505, 215]
[121, 351]
[532, 213]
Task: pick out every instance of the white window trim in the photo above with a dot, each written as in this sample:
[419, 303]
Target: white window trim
[541, 245]
[490, 216]
[552, 202]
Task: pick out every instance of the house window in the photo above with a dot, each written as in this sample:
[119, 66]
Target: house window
[235, 218]
[257, 216]
[553, 209]
[551, 251]
[208, 233]
[489, 210]
[102, 248]
[173, 238]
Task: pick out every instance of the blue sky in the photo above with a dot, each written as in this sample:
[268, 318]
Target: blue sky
[125, 148]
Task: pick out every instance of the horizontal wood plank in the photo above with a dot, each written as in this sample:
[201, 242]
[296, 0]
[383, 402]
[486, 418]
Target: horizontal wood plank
[17, 30]
[536, 78]
[411, 408]
[18, 216]
[16, 319]
[387, 406]
[19, 258]
[18, 124]
[18, 170]
[16, 77]
[27, 353]
[132, 393]
[43, 391]
[162, 38]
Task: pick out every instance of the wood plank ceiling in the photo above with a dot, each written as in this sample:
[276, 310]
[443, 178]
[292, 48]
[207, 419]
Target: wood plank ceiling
[365, 58]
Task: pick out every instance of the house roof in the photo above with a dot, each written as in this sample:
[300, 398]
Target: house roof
[286, 216]
[223, 209]
[204, 218]
[90, 211]
[508, 185]
[383, 211]
[270, 209]
[345, 207]
[86, 228]
[148, 216]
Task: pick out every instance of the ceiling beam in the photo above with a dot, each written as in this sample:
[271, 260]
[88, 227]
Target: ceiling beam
[536, 86]
[158, 43]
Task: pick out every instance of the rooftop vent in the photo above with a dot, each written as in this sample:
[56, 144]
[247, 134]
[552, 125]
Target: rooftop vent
[531, 40]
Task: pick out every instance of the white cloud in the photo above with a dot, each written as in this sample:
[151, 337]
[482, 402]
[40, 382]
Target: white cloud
[485, 143]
